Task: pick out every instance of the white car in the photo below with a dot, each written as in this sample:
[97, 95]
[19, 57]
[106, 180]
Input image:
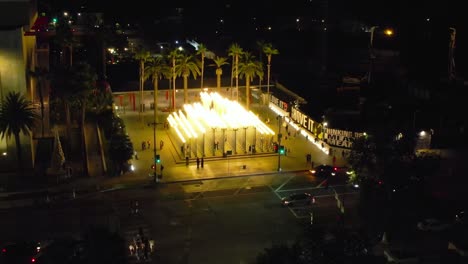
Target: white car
[432, 224]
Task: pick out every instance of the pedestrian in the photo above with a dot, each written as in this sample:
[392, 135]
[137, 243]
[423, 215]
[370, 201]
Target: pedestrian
[135, 154]
[161, 144]
[198, 162]
[186, 161]
[148, 143]
[143, 145]
[217, 145]
[145, 247]
[202, 161]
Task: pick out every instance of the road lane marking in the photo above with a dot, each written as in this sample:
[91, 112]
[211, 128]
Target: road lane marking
[281, 186]
[320, 184]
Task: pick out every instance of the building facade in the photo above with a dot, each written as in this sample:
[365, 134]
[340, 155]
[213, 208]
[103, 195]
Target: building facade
[17, 57]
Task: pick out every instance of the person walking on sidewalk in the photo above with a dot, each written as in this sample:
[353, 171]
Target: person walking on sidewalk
[161, 144]
[202, 161]
[198, 162]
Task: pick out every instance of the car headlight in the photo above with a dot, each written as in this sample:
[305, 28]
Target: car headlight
[333, 174]
[313, 171]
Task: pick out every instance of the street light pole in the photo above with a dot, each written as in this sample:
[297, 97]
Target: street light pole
[280, 118]
[154, 149]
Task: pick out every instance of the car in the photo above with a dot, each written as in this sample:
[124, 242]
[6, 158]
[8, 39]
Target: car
[298, 199]
[433, 224]
[324, 171]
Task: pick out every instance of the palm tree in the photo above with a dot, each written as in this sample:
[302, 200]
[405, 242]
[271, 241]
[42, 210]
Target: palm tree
[235, 51]
[155, 70]
[185, 68]
[269, 51]
[174, 56]
[41, 75]
[142, 56]
[249, 68]
[260, 45]
[219, 62]
[16, 115]
[202, 52]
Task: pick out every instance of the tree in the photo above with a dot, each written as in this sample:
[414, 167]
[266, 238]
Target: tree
[249, 69]
[142, 56]
[235, 51]
[174, 56]
[41, 75]
[202, 52]
[218, 63]
[155, 70]
[17, 116]
[259, 45]
[82, 82]
[120, 150]
[269, 51]
[185, 68]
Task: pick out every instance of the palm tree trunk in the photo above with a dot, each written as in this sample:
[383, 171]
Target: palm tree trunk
[237, 78]
[247, 91]
[83, 139]
[218, 82]
[185, 89]
[142, 74]
[268, 80]
[41, 100]
[71, 54]
[19, 154]
[155, 101]
[68, 123]
[202, 70]
[232, 76]
[173, 85]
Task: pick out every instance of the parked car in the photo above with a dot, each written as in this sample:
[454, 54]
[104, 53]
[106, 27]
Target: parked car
[433, 224]
[324, 171]
[298, 199]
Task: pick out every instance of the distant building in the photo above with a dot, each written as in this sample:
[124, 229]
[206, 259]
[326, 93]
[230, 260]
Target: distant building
[17, 57]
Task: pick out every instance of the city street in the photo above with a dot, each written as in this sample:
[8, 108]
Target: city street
[199, 221]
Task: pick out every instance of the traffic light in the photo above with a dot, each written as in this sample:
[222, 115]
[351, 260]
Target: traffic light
[54, 20]
[158, 159]
[281, 150]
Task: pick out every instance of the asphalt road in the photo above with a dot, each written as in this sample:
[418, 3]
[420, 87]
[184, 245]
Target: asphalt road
[211, 221]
